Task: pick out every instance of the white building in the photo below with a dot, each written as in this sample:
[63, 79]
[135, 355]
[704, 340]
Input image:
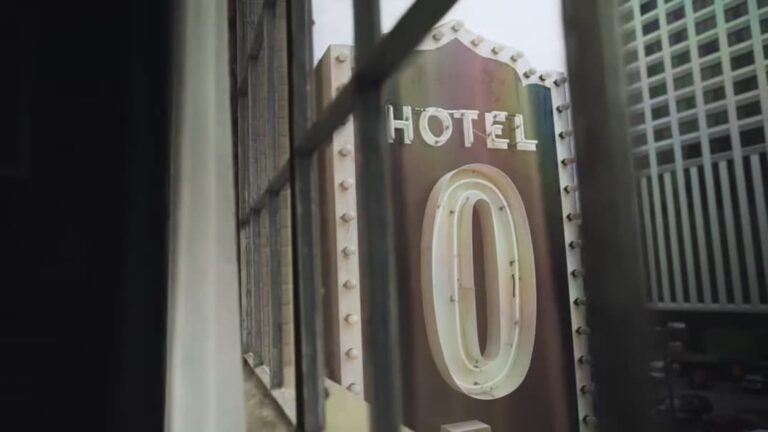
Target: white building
[697, 91]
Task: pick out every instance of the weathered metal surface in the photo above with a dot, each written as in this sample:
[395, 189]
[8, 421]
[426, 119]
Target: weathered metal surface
[456, 70]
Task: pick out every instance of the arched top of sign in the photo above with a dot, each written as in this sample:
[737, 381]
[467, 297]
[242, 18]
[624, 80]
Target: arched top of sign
[451, 30]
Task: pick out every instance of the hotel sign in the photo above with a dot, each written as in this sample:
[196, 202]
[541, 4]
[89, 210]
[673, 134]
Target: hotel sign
[491, 301]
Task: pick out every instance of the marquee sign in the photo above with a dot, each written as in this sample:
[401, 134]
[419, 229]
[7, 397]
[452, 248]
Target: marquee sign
[491, 298]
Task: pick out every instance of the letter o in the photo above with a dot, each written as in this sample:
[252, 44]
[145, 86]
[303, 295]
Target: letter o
[427, 134]
[447, 281]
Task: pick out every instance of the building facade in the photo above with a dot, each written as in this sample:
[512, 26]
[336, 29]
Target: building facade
[697, 94]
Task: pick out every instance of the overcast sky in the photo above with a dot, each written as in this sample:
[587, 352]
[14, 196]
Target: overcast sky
[532, 26]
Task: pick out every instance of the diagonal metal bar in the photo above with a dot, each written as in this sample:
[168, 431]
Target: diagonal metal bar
[375, 67]
[275, 185]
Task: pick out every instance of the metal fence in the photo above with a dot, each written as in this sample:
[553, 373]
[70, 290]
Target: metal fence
[264, 175]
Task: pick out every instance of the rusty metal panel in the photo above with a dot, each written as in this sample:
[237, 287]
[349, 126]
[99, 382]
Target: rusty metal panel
[505, 346]
[455, 80]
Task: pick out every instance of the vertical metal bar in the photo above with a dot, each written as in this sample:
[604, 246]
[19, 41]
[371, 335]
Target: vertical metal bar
[661, 238]
[273, 205]
[611, 248]
[276, 297]
[740, 199]
[701, 239]
[730, 233]
[650, 246]
[377, 221]
[256, 298]
[762, 217]
[673, 237]
[310, 401]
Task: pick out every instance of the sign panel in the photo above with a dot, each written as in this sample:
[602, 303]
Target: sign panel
[490, 296]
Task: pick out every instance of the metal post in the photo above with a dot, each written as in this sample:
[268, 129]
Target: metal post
[378, 260]
[273, 207]
[310, 406]
[611, 252]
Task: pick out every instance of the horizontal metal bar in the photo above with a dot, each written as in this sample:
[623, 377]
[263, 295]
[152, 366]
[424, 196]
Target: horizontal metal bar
[700, 307]
[377, 67]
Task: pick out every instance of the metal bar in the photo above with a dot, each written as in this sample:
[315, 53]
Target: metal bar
[661, 238]
[275, 185]
[310, 398]
[649, 239]
[253, 49]
[740, 199]
[256, 298]
[762, 217]
[275, 296]
[685, 224]
[716, 308]
[381, 340]
[730, 233]
[673, 238]
[268, 17]
[611, 248]
[378, 64]
[701, 239]
[748, 248]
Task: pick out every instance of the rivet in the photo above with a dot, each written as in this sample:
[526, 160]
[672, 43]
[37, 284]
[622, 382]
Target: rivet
[580, 301]
[577, 273]
[350, 284]
[529, 73]
[354, 388]
[497, 49]
[589, 420]
[342, 57]
[346, 184]
[568, 161]
[584, 331]
[560, 81]
[584, 360]
[544, 76]
[574, 244]
[348, 216]
[458, 25]
[353, 353]
[516, 56]
[587, 389]
[477, 41]
[352, 319]
[573, 216]
[345, 151]
[563, 107]
[438, 35]
[566, 134]
[348, 251]
[571, 188]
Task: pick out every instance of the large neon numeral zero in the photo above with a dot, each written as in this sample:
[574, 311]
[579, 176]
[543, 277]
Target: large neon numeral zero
[448, 281]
